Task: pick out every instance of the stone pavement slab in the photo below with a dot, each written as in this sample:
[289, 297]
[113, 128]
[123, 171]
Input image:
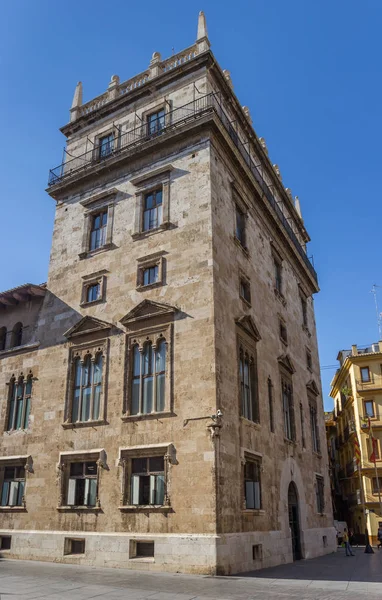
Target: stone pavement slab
[332, 577]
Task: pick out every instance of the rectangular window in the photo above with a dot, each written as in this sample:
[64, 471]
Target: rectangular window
[375, 485]
[240, 226]
[74, 546]
[248, 385]
[369, 408]
[144, 549]
[309, 360]
[252, 484]
[320, 497]
[278, 276]
[270, 404]
[245, 290]
[152, 210]
[150, 275]
[98, 230]
[5, 542]
[314, 429]
[287, 394]
[365, 374]
[283, 331]
[12, 492]
[82, 484]
[20, 393]
[93, 292]
[147, 481]
[105, 145]
[302, 425]
[304, 308]
[156, 122]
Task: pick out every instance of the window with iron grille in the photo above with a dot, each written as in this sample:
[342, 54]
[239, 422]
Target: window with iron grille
[288, 410]
[245, 289]
[20, 393]
[12, 492]
[105, 145]
[156, 122]
[98, 230]
[82, 484]
[283, 331]
[270, 404]
[87, 388]
[252, 484]
[278, 276]
[152, 210]
[147, 481]
[248, 385]
[309, 363]
[320, 496]
[240, 226]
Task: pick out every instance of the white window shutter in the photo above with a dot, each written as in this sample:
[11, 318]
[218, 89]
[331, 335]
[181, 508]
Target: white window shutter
[13, 493]
[135, 489]
[71, 492]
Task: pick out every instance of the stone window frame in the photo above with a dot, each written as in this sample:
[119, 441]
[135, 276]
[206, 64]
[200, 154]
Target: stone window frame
[245, 282]
[12, 381]
[162, 105]
[304, 310]
[257, 457]
[248, 347]
[92, 279]
[369, 378]
[112, 129]
[82, 351]
[97, 203]
[286, 381]
[242, 206]
[126, 454]
[365, 413]
[146, 183]
[152, 334]
[319, 488]
[283, 329]
[148, 261]
[309, 359]
[25, 461]
[63, 473]
[278, 260]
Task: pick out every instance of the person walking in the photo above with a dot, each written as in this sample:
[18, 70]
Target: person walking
[379, 536]
[345, 538]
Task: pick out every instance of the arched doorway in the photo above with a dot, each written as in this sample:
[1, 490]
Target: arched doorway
[294, 521]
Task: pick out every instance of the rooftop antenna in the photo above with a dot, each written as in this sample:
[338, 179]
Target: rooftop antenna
[379, 315]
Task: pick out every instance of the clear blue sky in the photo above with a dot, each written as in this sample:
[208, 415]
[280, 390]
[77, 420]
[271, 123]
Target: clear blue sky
[310, 73]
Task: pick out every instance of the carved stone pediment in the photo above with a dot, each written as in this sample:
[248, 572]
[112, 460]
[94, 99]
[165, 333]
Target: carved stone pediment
[285, 361]
[148, 309]
[87, 325]
[311, 386]
[247, 324]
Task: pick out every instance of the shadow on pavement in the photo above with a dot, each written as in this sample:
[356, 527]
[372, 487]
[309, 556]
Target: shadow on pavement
[331, 567]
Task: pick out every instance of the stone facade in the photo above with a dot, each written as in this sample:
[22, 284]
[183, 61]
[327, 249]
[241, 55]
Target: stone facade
[225, 227]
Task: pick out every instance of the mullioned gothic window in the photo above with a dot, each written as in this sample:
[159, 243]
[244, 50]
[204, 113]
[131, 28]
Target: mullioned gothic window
[148, 390]
[248, 384]
[20, 393]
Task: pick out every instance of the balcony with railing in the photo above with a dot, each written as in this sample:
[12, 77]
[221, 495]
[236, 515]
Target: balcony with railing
[351, 468]
[192, 112]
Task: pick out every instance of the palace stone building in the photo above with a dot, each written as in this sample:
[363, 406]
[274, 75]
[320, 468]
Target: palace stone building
[161, 405]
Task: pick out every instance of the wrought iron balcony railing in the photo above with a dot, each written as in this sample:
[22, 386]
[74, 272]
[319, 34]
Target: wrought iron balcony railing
[211, 103]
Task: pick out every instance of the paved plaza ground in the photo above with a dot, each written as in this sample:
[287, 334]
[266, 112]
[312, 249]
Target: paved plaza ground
[332, 577]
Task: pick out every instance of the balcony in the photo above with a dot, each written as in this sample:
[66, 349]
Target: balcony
[374, 383]
[351, 468]
[92, 161]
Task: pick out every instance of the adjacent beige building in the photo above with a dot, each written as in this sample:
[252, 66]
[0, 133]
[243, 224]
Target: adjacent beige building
[357, 394]
[161, 402]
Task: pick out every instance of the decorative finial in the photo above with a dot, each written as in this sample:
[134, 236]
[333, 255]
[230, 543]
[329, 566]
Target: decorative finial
[297, 206]
[263, 145]
[276, 168]
[227, 76]
[156, 57]
[77, 102]
[202, 35]
[155, 65]
[289, 192]
[247, 113]
[114, 81]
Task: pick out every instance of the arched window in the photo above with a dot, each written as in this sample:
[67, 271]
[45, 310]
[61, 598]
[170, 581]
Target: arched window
[148, 378]
[87, 388]
[3, 337]
[248, 387]
[20, 392]
[17, 335]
